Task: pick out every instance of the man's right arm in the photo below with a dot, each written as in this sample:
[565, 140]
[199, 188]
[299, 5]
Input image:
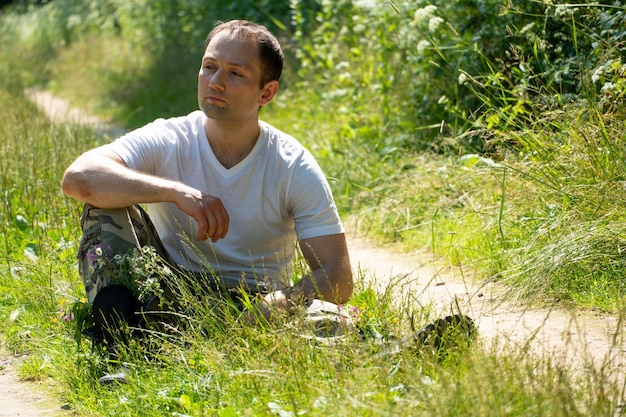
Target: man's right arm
[101, 178]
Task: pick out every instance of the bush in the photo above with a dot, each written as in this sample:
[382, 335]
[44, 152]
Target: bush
[417, 70]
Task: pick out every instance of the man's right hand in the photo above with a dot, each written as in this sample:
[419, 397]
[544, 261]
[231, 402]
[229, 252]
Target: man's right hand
[208, 211]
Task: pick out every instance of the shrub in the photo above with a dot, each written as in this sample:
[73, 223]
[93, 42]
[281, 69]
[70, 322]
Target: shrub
[416, 70]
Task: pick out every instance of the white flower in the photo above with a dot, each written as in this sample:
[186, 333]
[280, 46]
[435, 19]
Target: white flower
[434, 23]
[607, 88]
[463, 78]
[320, 402]
[424, 13]
[422, 46]
[565, 11]
[99, 251]
[426, 380]
[13, 315]
[365, 4]
[74, 21]
[527, 28]
[17, 271]
[275, 408]
[597, 73]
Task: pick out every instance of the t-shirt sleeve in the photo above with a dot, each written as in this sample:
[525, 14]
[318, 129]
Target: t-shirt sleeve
[143, 148]
[311, 201]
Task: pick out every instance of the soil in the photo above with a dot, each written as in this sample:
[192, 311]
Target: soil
[24, 398]
[577, 338]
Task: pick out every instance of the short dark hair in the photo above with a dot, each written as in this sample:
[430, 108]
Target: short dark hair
[270, 52]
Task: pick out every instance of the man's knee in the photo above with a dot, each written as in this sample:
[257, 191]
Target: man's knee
[109, 235]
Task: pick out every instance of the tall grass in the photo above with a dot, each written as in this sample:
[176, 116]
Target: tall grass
[543, 213]
[541, 208]
[220, 367]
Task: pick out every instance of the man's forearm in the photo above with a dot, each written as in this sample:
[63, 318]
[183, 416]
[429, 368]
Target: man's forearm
[332, 284]
[106, 183]
[316, 285]
[101, 178]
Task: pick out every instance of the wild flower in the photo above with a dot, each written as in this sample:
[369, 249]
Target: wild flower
[565, 11]
[599, 72]
[424, 13]
[463, 78]
[607, 88]
[140, 269]
[17, 271]
[97, 256]
[353, 311]
[67, 315]
[423, 45]
[527, 28]
[434, 23]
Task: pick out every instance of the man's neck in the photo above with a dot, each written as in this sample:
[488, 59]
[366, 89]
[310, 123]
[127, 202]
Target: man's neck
[231, 142]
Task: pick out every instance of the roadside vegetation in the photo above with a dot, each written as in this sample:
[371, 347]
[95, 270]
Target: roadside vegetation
[488, 133]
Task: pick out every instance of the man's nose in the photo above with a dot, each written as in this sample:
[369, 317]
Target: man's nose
[216, 80]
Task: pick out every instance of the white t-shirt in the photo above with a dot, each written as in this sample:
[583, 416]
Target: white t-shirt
[278, 194]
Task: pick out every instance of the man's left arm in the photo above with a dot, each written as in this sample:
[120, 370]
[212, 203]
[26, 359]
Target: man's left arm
[330, 278]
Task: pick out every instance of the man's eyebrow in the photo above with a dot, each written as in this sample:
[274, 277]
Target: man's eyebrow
[206, 59]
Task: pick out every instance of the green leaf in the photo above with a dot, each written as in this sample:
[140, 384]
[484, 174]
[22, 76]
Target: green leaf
[21, 222]
[30, 251]
[228, 412]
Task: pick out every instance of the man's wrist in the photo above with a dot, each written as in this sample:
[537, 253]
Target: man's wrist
[295, 296]
[287, 298]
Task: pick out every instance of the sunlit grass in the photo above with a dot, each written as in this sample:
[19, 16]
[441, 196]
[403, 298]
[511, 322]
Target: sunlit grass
[223, 368]
[541, 210]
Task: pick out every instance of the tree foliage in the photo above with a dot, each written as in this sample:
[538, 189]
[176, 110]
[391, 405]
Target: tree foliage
[409, 70]
[478, 64]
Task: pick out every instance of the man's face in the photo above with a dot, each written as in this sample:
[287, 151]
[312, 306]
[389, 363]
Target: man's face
[229, 79]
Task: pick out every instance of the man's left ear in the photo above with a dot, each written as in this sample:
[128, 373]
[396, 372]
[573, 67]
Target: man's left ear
[269, 91]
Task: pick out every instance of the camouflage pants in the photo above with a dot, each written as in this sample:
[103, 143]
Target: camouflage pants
[109, 235]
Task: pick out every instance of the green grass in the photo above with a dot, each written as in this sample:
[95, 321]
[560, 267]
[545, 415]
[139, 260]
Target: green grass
[541, 210]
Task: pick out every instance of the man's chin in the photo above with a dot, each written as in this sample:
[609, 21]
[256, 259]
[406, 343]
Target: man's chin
[213, 112]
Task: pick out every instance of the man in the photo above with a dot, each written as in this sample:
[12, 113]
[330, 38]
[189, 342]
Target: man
[226, 192]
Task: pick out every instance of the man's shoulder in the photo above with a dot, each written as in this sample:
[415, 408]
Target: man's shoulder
[281, 140]
[192, 118]
[173, 128]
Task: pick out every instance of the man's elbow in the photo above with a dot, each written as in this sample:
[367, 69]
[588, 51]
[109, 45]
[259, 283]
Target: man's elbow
[73, 184]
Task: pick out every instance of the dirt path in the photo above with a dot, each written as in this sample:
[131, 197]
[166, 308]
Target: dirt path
[59, 110]
[24, 399]
[576, 338]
